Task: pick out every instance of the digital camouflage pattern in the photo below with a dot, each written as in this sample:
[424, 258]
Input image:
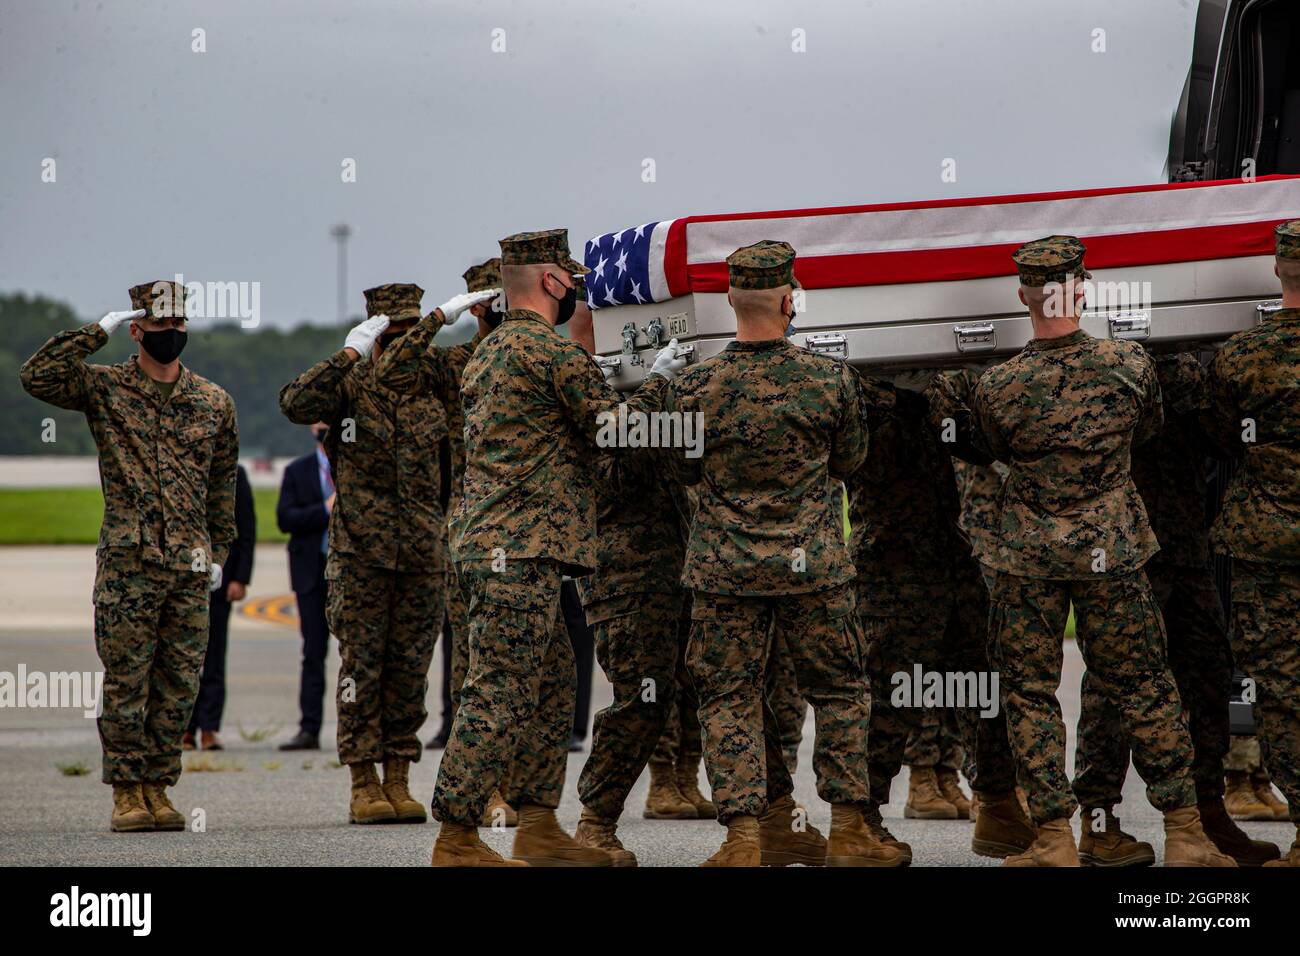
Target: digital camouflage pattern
[637, 648]
[727, 660]
[1122, 639]
[682, 739]
[782, 427]
[788, 706]
[521, 681]
[383, 448]
[161, 299]
[1265, 609]
[540, 248]
[458, 598]
[1170, 473]
[1254, 381]
[1063, 415]
[167, 469]
[1286, 236]
[397, 300]
[386, 623]
[533, 409]
[486, 275]
[151, 634]
[1053, 259]
[1201, 662]
[938, 743]
[764, 265]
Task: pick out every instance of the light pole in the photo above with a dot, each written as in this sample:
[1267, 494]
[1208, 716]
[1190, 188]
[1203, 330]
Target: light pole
[341, 232]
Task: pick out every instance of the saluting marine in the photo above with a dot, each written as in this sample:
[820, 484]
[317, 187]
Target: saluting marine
[1063, 415]
[168, 445]
[387, 560]
[533, 409]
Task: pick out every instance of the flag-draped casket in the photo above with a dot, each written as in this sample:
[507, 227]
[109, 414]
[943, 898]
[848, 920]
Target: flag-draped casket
[932, 283]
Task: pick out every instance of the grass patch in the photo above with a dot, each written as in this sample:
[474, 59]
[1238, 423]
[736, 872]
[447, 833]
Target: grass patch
[270, 765]
[73, 515]
[208, 764]
[76, 769]
[258, 734]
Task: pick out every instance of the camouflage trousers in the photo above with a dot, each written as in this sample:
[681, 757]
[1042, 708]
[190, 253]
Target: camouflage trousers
[458, 615]
[727, 657]
[1266, 643]
[386, 623]
[151, 632]
[938, 742]
[1122, 638]
[1243, 755]
[637, 647]
[790, 709]
[518, 698]
[681, 740]
[1201, 662]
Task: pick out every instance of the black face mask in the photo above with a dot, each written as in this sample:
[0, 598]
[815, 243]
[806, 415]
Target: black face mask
[567, 305]
[321, 435]
[164, 346]
[389, 339]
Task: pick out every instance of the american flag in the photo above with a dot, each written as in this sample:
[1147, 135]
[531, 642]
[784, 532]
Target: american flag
[939, 240]
[627, 267]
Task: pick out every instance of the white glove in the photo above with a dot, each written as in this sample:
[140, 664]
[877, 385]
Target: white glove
[667, 364]
[453, 307]
[110, 322]
[362, 337]
[214, 576]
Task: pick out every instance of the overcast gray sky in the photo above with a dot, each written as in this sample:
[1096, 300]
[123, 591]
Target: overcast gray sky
[225, 165]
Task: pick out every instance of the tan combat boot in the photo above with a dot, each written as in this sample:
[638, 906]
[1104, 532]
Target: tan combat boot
[1054, 846]
[1001, 827]
[851, 842]
[1292, 857]
[742, 847]
[1232, 839]
[602, 834]
[1264, 791]
[687, 774]
[1103, 843]
[950, 789]
[396, 787]
[130, 813]
[368, 803]
[876, 824]
[498, 813]
[1240, 798]
[665, 800]
[924, 801]
[1186, 843]
[974, 806]
[165, 816]
[540, 841]
[786, 837]
[459, 845]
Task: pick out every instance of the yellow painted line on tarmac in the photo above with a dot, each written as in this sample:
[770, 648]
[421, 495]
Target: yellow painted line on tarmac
[281, 609]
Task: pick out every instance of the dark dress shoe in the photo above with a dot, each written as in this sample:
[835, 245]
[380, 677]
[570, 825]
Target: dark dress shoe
[439, 740]
[302, 741]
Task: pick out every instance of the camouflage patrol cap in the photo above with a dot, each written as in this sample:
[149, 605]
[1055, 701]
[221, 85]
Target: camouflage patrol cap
[1053, 259]
[161, 299]
[539, 248]
[485, 275]
[764, 265]
[397, 300]
[1287, 235]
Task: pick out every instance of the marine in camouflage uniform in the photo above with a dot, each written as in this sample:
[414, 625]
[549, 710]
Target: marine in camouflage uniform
[534, 405]
[1170, 474]
[1063, 415]
[767, 554]
[387, 563]
[167, 455]
[1254, 381]
[633, 602]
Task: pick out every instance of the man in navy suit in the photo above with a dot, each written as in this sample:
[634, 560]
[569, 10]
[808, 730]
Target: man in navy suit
[303, 512]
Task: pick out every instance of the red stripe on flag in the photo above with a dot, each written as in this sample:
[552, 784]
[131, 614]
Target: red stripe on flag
[980, 262]
[675, 259]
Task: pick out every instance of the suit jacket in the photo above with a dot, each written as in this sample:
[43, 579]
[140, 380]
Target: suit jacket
[300, 513]
[239, 563]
